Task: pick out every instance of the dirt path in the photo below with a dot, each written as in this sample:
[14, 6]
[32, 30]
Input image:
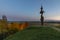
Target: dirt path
[56, 28]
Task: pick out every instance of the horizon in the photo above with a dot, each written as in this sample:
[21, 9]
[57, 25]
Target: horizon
[29, 10]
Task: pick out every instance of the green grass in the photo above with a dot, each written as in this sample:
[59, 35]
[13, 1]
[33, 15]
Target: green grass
[36, 33]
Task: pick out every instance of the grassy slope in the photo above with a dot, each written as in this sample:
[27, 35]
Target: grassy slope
[35, 33]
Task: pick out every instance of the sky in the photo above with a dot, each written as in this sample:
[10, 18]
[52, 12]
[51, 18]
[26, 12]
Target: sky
[29, 10]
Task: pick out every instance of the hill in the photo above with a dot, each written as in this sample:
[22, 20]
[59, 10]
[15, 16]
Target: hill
[36, 33]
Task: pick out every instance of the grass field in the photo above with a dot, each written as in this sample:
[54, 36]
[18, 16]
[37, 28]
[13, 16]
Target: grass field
[36, 33]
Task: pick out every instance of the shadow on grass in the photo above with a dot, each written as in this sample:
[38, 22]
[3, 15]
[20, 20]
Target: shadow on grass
[6, 34]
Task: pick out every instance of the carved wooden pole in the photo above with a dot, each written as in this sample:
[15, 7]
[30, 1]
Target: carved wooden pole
[42, 17]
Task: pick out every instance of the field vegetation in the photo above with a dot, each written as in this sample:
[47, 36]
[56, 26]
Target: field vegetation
[36, 33]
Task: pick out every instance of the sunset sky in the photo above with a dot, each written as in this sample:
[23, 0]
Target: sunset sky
[29, 10]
